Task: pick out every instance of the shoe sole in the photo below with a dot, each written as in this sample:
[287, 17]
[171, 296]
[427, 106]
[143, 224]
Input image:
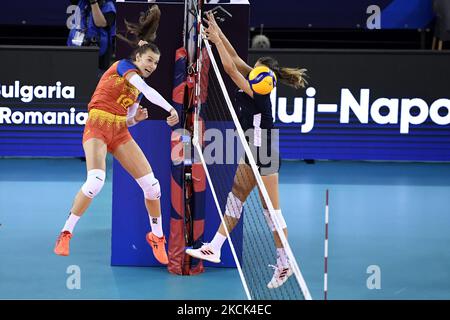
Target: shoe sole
[281, 284]
[63, 254]
[151, 246]
[162, 262]
[194, 255]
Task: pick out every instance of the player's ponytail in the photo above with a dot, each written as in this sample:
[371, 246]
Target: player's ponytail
[294, 77]
[145, 29]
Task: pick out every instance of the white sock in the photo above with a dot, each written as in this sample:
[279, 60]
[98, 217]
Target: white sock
[218, 241]
[156, 224]
[282, 257]
[70, 223]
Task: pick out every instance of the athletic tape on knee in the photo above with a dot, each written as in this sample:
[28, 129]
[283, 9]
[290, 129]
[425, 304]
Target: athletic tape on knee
[279, 216]
[94, 183]
[150, 186]
[234, 206]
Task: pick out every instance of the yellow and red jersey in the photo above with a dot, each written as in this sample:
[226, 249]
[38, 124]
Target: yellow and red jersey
[114, 94]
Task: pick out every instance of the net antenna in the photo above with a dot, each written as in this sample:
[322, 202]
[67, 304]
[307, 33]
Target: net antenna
[325, 272]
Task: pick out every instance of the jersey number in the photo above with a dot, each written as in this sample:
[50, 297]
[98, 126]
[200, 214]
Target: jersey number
[124, 101]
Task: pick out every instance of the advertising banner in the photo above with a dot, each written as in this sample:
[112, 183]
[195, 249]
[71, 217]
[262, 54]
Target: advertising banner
[44, 92]
[364, 105]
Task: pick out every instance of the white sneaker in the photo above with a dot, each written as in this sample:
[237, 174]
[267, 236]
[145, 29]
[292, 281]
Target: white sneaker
[280, 276]
[206, 252]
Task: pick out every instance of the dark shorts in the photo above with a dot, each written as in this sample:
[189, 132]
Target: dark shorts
[267, 156]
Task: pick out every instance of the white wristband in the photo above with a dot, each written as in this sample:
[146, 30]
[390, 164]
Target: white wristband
[131, 112]
[131, 122]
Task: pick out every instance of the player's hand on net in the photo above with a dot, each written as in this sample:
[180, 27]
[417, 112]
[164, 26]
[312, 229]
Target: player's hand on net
[211, 35]
[212, 23]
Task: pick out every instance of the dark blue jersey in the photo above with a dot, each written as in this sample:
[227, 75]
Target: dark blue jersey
[254, 111]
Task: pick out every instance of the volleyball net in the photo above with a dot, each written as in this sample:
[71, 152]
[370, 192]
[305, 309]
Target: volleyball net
[222, 147]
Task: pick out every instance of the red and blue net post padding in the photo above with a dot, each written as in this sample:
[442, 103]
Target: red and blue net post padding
[177, 210]
[198, 173]
[182, 228]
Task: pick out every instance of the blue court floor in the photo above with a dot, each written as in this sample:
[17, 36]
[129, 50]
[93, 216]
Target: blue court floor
[393, 218]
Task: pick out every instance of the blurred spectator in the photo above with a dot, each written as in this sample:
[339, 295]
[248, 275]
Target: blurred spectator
[97, 27]
[442, 26]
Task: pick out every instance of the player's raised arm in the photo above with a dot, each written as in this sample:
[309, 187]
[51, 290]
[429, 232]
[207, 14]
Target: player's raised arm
[211, 33]
[241, 65]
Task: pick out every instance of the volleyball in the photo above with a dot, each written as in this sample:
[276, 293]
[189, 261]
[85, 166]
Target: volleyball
[262, 80]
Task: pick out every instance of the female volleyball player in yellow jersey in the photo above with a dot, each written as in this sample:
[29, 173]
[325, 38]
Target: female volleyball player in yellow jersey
[113, 108]
[255, 114]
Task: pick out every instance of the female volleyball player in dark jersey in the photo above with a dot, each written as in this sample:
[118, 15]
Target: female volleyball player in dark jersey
[255, 114]
[113, 108]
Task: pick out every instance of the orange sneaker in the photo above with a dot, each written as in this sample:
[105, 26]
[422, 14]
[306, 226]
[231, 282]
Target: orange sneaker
[157, 244]
[62, 244]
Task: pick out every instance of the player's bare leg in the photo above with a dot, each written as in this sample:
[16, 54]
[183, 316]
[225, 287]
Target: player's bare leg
[136, 164]
[282, 270]
[95, 151]
[244, 182]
